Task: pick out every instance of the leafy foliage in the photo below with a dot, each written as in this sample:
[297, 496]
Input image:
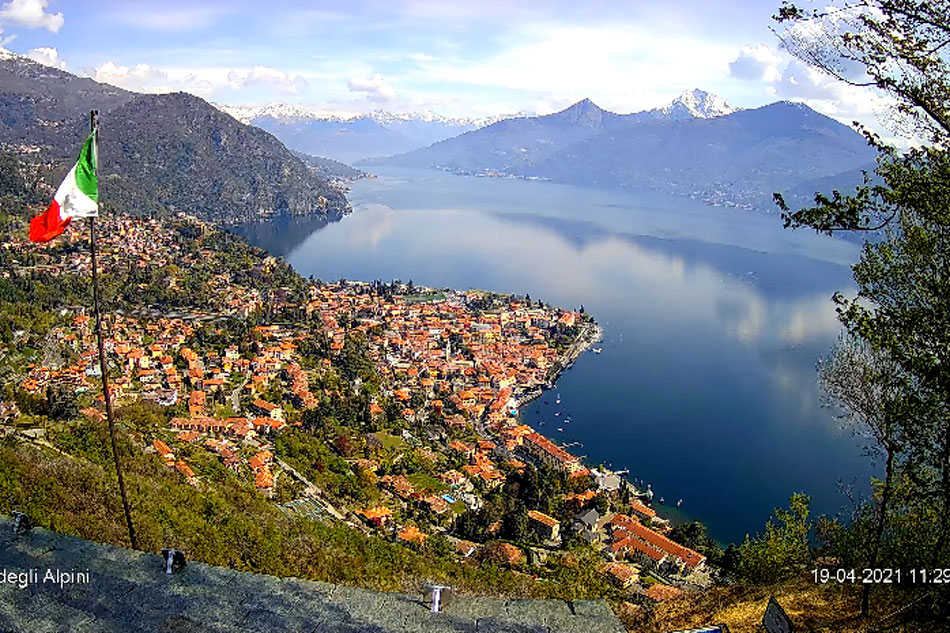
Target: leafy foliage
[783, 548]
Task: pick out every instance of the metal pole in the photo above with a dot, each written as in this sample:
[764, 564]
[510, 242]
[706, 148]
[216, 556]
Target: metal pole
[103, 365]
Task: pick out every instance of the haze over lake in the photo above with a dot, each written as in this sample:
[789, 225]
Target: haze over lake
[714, 319]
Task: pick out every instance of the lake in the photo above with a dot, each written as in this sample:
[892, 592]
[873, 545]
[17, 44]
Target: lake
[714, 320]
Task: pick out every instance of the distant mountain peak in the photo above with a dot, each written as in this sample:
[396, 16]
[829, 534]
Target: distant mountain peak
[697, 104]
[285, 112]
[585, 113]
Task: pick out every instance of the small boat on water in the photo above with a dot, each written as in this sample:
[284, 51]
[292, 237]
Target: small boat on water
[679, 503]
[560, 429]
[598, 350]
[557, 413]
[662, 500]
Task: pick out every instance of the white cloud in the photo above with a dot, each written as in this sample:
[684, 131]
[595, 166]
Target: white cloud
[146, 78]
[31, 14]
[376, 87]
[622, 66]
[287, 83]
[140, 77]
[47, 56]
[757, 62]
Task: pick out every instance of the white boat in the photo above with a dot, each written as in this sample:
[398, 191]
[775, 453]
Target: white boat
[560, 429]
[598, 350]
[557, 413]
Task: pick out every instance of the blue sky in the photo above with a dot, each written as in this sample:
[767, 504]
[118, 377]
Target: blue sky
[457, 58]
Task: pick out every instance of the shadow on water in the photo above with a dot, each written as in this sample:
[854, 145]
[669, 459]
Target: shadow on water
[279, 235]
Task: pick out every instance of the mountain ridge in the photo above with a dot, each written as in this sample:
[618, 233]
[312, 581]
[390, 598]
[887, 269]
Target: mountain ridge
[689, 147]
[159, 152]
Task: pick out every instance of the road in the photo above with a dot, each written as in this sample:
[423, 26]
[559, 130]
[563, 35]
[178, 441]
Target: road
[236, 395]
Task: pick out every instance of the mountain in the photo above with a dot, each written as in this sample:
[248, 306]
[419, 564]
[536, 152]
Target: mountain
[698, 145]
[742, 157]
[352, 138]
[511, 145]
[159, 151]
[329, 168]
[693, 104]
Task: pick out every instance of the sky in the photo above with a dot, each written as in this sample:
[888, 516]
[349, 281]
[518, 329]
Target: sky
[454, 57]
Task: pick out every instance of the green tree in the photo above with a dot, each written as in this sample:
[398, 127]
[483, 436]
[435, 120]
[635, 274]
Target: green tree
[870, 390]
[902, 309]
[783, 548]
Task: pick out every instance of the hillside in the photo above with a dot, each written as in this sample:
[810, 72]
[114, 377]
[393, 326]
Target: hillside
[329, 168]
[697, 146]
[746, 155]
[159, 150]
[512, 145]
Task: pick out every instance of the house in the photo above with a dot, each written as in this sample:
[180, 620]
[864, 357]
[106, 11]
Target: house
[547, 452]
[186, 470]
[548, 528]
[411, 534]
[268, 409]
[588, 519]
[624, 576]
[630, 537]
[163, 450]
[643, 512]
[463, 449]
[263, 479]
[377, 517]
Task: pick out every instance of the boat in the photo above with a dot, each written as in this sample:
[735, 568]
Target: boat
[557, 413]
[679, 503]
[560, 429]
[598, 350]
[662, 500]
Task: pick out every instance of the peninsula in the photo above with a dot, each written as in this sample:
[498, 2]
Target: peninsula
[388, 409]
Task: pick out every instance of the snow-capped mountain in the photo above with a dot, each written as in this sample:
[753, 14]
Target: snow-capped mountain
[279, 111]
[696, 104]
[287, 111]
[349, 136]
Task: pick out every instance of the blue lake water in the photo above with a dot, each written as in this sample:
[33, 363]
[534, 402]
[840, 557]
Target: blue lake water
[714, 320]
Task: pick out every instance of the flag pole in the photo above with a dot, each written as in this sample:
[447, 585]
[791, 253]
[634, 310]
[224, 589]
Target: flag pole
[103, 365]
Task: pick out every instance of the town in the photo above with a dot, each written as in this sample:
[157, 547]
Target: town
[388, 406]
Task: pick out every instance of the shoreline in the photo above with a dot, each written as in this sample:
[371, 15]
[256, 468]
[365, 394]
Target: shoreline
[590, 334]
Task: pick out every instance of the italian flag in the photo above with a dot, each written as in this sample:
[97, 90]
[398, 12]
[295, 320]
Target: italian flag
[77, 197]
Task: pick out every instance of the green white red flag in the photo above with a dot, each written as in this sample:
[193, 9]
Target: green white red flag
[77, 197]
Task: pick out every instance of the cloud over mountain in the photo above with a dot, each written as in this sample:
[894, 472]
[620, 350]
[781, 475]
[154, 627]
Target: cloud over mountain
[757, 62]
[376, 87]
[47, 56]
